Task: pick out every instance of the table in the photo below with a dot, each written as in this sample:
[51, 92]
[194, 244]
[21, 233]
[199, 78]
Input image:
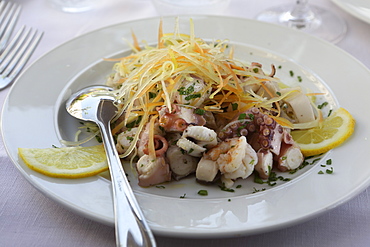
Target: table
[28, 218]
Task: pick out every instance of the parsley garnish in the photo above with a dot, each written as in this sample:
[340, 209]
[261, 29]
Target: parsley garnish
[322, 105]
[224, 188]
[203, 192]
[242, 116]
[199, 111]
[192, 96]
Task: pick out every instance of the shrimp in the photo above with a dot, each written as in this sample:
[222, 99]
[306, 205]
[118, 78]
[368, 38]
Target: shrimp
[234, 157]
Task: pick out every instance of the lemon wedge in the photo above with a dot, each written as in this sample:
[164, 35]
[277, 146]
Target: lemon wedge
[333, 131]
[66, 162]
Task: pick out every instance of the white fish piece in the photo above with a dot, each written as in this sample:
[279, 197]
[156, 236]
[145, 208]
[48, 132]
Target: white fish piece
[301, 106]
[206, 170]
[181, 164]
[196, 139]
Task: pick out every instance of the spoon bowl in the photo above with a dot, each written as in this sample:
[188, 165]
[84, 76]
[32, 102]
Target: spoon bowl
[98, 104]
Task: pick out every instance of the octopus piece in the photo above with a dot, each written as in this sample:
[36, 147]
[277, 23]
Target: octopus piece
[179, 118]
[152, 171]
[196, 139]
[159, 141]
[261, 130]
[181, 164]
[273, 143]
[290, 156]
[193, 91]
[160, 146]
[265, 163]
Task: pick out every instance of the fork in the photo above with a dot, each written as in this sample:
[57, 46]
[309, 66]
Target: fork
[9, 13]
[17, 53]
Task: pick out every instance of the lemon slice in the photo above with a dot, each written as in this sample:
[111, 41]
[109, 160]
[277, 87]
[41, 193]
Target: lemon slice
[334, 131]
[66, 162]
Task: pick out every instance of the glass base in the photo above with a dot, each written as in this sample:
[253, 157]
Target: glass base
[317, 21]
[73, 6]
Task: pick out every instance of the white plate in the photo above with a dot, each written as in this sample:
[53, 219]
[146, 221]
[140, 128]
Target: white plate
[357, 8]
[33, 117]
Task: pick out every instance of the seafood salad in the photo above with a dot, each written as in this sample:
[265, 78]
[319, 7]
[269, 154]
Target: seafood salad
[189, 107]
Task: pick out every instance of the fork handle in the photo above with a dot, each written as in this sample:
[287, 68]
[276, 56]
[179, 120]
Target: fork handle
[131, 227]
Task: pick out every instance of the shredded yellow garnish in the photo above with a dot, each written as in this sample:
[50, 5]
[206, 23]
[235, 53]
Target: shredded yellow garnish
[156, 76]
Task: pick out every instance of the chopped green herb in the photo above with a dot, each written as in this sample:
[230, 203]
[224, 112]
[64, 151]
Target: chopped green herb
[199, 111]
[255, 70]
[203, 192]
[299, 78]
[257, 179]
[322, 105]
[193, 96]
[278, 93]
[223, 188]
[329, 171]
[183, 196]
[234, 106]
[320, 172]
[291, 73]
[239, 186]
[152, 95]
[242, 116]
[328, 162]
[257, 190]
[186, 91]
[160, 187]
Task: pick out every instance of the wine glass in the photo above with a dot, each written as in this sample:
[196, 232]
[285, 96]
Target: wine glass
[310, 19]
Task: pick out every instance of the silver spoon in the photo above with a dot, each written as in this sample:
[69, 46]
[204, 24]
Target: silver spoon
[96, 104]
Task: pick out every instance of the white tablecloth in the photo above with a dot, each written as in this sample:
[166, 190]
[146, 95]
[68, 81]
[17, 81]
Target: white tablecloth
[28, 218]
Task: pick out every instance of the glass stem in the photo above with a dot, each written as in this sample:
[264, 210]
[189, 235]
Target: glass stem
[301, 15]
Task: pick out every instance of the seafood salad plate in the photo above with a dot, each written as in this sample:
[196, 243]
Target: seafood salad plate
[208, 128]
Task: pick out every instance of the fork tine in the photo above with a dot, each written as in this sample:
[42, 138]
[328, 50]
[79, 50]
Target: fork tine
[8, 17]
[22, 56]
[12, 48]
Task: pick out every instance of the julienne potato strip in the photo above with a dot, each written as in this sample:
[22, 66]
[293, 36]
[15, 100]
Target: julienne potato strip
[151, 76]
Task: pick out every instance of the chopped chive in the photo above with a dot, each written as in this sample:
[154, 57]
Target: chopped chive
[199, 111]
[203, 192]
[242, 116]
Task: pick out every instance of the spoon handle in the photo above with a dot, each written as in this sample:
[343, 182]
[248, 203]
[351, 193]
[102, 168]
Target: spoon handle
[131, 227]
